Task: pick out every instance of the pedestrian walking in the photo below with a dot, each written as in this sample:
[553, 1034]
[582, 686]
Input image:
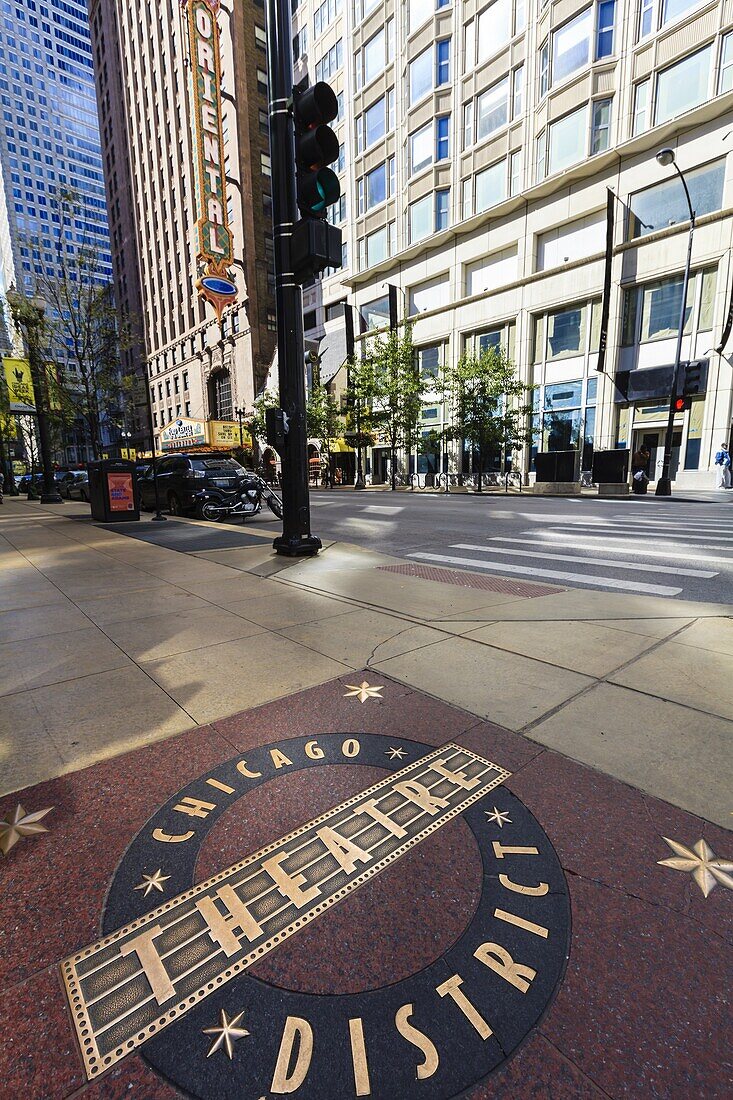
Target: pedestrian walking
[722, 467]
[639, 470]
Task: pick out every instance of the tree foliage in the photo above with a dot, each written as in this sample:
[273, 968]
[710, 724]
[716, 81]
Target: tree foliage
[489, 407]
[397, 390]
[256, 425]
[323, 420]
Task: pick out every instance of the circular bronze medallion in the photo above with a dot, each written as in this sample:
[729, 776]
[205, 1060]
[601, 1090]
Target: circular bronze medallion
[444, 950]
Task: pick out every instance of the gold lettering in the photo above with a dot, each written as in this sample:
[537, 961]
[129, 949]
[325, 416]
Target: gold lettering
[359, 1058]
[534, 891]
[279, 759]
[351, 747]
[501, 850]
[453, 989]
[370, 807]
[207, 88]
[220, 786]
[214, 176]
[195, 807]
[244, 770]
[313, 751]
[500, 961]
[151, 963]
[221, 928]
[459, 778]
[418, 1039]
[289, 885]
[282, 1081]
[421, 796]
[528, 925]
[176, 838]
[344, 851]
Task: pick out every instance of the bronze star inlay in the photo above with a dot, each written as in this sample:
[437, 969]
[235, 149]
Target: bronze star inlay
[226, 1034]
[153, 882]
[363, 691]
[500, 817]
[19, 825]
[395, 754]
[702, 863]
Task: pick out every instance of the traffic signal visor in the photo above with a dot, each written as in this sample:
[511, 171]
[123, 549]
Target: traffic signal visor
[316, 146]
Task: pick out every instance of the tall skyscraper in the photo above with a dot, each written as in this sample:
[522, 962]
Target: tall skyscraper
[480, 140]
[49, 136]
[183, 104]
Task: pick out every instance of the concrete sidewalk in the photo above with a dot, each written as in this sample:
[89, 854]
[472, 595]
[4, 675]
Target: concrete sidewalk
[108, 642]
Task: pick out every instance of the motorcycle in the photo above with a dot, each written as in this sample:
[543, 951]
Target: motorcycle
[245, 500]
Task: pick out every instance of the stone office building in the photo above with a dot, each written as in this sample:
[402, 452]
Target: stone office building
[481, 140]
[182, 91]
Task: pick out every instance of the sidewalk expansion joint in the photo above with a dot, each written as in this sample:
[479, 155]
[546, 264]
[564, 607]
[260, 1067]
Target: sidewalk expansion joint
[569, 1061]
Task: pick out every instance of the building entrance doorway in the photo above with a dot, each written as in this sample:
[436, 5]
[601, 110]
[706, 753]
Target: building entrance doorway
[653, 440]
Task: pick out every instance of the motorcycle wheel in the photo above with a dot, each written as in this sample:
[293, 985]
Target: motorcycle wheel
[208, 510]
[275, 505]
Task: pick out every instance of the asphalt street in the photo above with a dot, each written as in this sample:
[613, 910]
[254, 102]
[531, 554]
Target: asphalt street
[648, 545]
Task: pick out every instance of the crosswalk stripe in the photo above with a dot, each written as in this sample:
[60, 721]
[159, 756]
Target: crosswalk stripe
[630, 549]
[636, 566]
[677, 525]
[551, 574]
[651, 533]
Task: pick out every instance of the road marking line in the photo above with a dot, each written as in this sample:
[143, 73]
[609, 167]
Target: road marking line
[650, 533]
[558, 575]
[383, 509]
[598, 543]
[584, 561]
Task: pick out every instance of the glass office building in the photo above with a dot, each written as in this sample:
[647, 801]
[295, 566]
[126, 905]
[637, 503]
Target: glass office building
[49, 136]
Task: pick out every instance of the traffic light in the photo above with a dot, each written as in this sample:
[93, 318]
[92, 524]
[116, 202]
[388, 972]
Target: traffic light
[315, 244]
[681, 403]
[692, 381]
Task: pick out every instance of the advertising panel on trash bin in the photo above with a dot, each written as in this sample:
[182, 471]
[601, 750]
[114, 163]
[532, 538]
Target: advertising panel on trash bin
[121, 492]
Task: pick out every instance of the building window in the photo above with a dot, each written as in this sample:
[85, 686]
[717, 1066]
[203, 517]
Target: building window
[442, 138]
[641, 107]
[684, 85]
[494, 28]
[665, 204]
[376, 186]
[541, 157]
[262, 81]
[428, 360]
[442, 65]
[467, 198]
[421, 148]
[420, 218]
[492, 108]
[421, 75]
[469, 47]
[375, 314]
[674, 9]
[271, 320]
[265, 164]
[725, 82]
[567, 140]
[571, 46]
[491, 186]
[221, 395]
[604, 33]
[544, 67]
[442, 210]
[601, 133]
[566, 333]
[373, 58]
[376, 247]
[646, 17]
[467, 124]
[517, 91]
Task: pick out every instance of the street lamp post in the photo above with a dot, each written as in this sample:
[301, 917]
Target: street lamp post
[158, 517]
[666, 157]
[30, 316]
[240, 415]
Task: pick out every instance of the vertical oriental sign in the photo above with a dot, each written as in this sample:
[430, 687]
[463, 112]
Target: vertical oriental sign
[215, 252]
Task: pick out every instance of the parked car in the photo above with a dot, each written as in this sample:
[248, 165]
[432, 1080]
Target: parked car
[78, 489]
[63, 479]
[184, 479]
[25, 482]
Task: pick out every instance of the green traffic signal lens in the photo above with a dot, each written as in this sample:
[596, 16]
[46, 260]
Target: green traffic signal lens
[328, 188]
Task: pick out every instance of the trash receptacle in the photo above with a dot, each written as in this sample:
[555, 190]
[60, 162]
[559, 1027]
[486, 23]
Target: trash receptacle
[113, 491]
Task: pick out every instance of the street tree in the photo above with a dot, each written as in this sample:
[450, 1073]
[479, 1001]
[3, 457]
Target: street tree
[79, 336]
[323, 420]
[397, 389]
[489, 406]
[256, 424]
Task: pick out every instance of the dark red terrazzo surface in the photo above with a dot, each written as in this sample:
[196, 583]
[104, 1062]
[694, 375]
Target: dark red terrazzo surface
[644, 1008]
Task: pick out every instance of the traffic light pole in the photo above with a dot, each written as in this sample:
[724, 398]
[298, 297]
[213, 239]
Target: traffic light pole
[664, 482]
[296, 539]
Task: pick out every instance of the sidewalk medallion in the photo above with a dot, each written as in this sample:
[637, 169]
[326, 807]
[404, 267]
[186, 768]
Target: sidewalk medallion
[182, 971]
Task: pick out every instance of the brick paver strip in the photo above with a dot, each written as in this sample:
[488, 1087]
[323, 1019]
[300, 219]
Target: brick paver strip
[472, 580]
